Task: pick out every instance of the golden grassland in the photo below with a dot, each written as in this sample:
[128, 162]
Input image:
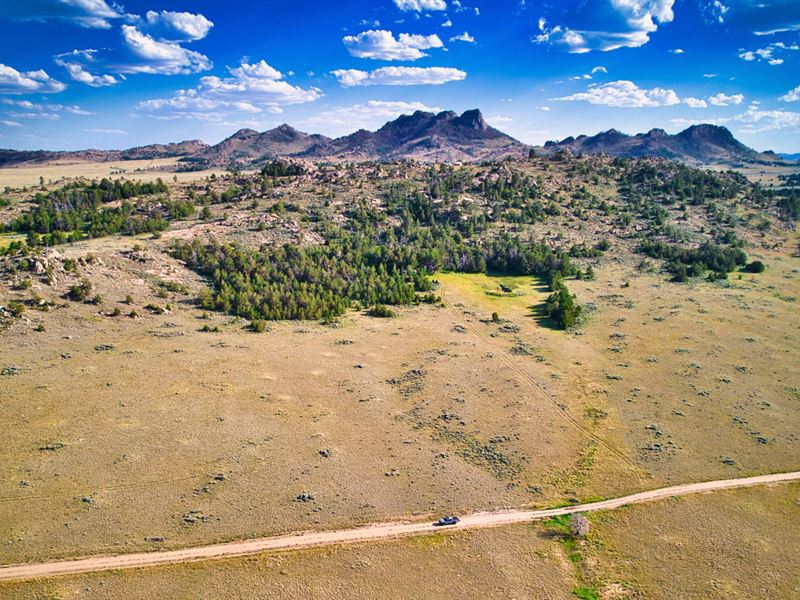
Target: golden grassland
[730, 544]
[767, 175]
[7, 238]
[139, 170]
[510, 562]
[119, 429]
[150, 409]
[437, 411]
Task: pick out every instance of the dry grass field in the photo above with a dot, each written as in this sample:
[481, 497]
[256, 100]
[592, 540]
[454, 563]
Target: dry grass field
[176, 427]
[510, 562]
[768, 175]
[715, 546]
[735, 544]
[151, 409]
[59, 171]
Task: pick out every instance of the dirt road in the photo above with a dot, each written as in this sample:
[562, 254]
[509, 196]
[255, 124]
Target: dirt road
[378, 531]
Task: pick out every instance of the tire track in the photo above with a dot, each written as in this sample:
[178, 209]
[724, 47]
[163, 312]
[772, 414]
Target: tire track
[541, 394]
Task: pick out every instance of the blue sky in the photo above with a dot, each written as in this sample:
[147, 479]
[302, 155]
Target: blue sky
[95, 73]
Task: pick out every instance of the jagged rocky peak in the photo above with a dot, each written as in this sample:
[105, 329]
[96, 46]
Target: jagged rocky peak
[473, 119]
[656, 132]
[697, 145]
[244, 133]
[705, 131]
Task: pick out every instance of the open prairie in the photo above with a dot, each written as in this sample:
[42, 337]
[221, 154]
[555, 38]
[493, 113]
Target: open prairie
[413, 299]
[142, 419]
[64, 170]
[722, 545]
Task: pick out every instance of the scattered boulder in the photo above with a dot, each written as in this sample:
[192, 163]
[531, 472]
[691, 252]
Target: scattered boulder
[194, 516]
[52, 447]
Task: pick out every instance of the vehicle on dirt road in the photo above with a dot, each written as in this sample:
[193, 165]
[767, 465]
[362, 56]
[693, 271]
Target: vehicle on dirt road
[446, 521]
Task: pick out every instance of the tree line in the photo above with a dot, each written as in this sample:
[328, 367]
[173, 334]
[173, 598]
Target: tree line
[79, 210]
[370, 265]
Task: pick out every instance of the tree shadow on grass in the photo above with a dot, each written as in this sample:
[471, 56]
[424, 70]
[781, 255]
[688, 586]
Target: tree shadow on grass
[538, 312]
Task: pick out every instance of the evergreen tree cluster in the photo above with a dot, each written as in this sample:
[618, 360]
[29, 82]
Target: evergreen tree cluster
[561, 307]
[78, 210]
[371, 266]
[694, 262]
[281, 168]
[788, 204]
[675, 182]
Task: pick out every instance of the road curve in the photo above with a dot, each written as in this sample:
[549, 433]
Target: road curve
[378, 531]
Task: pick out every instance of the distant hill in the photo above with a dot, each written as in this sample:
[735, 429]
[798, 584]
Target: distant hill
[185, 148]
[424, 136]
[697, 145]
[10, 158]
[248, 145]
[785, 156]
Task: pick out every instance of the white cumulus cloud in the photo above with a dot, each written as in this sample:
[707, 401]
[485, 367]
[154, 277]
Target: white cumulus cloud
[771, 54]
[155, 56]
[695, 102]
[610, 25]
[382, 45]
[726, 100]
[624, 94]
[250, 88]
[464, 37]
[94, 14]
[139, 52]
[175, 26]
[76, 63]
[756, 120]
[792, 95]
[27, 82]
[420, 5]
[260, 82]
[398, 76]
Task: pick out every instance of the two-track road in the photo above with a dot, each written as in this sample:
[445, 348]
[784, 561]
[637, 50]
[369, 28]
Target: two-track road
[379, 531]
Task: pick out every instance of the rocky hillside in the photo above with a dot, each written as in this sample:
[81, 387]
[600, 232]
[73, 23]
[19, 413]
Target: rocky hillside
[697, 145]
[247, 145]
[425, 136]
